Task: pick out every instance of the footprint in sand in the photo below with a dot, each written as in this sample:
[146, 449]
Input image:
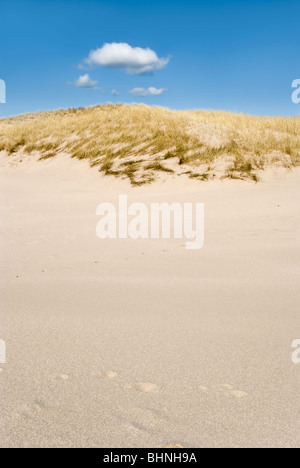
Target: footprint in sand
[203, 389]
[143, 420]
[62, 377]
[105, 374]
[230, 390]
[146, 419]
[32, 409]
[146, 387]
[226, 389]
[134, 429]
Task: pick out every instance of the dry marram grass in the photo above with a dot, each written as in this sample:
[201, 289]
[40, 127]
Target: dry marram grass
[139, 142]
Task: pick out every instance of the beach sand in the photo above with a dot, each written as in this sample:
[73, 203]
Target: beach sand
[142, 343]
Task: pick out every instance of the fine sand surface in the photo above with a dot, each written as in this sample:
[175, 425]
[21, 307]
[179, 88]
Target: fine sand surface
[125, 343]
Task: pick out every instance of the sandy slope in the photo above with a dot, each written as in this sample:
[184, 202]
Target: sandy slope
[142, 343]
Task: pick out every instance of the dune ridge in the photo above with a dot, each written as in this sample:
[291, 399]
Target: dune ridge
[142, 143]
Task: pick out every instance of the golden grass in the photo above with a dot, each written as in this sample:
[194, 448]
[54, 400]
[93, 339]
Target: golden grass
[139, 142]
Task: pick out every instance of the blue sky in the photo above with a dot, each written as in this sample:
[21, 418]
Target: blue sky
[228, 55]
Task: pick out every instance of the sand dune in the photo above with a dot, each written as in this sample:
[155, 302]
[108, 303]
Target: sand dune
[124, 343]
[139, 143]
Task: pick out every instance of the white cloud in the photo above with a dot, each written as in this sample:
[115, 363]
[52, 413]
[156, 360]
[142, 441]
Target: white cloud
[85, 81]
[135, 60]
[147, 92]
[114, 92]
